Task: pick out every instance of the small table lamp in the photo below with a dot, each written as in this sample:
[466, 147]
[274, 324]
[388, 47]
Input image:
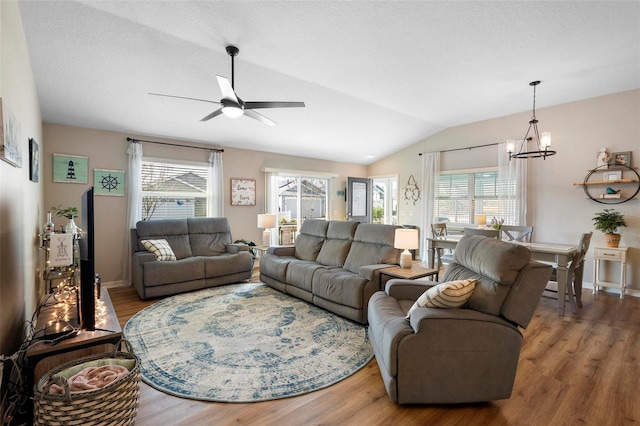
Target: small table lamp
[406, 239]
[266, 221]
[480, 219]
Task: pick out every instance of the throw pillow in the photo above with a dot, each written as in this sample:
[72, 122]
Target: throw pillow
[452, 294]
[160, 248]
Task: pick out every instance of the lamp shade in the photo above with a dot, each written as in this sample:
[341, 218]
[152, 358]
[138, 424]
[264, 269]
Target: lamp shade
[266, 221]
[480, 219]
[406, 239]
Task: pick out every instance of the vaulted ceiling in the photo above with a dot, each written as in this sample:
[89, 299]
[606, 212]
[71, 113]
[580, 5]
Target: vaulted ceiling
[375, 76]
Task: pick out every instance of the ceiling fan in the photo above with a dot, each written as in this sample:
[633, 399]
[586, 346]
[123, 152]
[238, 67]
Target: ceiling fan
[232, 105]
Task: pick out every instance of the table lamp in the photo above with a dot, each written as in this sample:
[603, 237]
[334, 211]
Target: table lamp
[406, 239]
[480, 219]
[266, 221]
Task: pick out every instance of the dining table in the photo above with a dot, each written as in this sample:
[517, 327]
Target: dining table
[560, 254]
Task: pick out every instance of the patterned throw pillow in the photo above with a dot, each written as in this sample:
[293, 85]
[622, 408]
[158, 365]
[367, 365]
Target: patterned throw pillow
[160, 248]
[452, 294]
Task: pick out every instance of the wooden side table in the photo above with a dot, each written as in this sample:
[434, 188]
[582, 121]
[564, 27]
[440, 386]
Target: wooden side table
[416, 271]
[615, 254]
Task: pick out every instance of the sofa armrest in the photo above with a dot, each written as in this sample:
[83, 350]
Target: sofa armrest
[237, 248]
[282, 250]
[369, 271]
[422, 318]
[407, 289]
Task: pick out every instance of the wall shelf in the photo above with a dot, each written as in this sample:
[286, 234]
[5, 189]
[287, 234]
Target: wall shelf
[626, 188]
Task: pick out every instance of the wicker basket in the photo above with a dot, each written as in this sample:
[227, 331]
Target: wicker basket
[114, 404]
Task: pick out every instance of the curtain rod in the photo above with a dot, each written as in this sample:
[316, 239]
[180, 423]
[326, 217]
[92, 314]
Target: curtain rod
[467, 148]
[175, 144]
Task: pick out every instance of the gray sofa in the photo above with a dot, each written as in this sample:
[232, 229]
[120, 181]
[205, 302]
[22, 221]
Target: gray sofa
[205, 256]
[459, 355]
[333, 264]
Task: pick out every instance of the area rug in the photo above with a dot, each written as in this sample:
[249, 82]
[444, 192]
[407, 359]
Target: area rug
[244, 343]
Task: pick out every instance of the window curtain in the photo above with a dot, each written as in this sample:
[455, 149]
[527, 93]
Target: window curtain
[215, 199]
[271, 203]
[430, 178]
[514, 202]
[134, 205]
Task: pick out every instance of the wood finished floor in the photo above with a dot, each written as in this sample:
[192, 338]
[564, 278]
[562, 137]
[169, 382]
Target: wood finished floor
[576, 369]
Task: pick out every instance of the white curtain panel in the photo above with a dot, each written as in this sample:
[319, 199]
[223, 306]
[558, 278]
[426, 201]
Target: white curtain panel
[430, 178]
[515, 205]
[215, 200]
[134, 204]
[271, 201]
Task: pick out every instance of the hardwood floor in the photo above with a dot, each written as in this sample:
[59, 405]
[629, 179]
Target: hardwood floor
[578, 369]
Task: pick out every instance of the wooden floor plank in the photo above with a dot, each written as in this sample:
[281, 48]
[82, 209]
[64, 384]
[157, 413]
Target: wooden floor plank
[578, 369]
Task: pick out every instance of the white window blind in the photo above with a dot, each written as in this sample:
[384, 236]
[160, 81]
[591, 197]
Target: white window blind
[173, 191]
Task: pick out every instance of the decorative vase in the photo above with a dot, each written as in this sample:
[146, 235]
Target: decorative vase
[612, 240]
[71, 227]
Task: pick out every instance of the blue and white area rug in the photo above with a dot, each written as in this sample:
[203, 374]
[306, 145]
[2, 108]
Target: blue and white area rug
[244, 343]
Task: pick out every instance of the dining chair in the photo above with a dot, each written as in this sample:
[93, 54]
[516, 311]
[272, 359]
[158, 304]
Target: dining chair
[439, 230]
[491, 233]
[576, 270]
[517, 233]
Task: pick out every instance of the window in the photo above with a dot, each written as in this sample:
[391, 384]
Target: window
[461, 195]
[385, 200]
[301, 198]
[173, 191]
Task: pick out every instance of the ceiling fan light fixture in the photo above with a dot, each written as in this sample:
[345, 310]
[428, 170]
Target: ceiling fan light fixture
[232, 111]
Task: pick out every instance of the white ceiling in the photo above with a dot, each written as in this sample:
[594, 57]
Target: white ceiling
[376, 76]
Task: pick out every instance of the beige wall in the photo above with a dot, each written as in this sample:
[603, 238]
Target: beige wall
[557, 209]
[20, 199]
[107, 150]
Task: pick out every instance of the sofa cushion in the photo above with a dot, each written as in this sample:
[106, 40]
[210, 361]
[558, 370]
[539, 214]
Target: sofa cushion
[175, 231]
[494, 264]
[161, 273]
[209, 236]
[160, 248]
[309, 241]
[453, 294]
[372, 244]
[336, 247]
[275, 266]
[227, 264]
[300, 272]
[339, 286]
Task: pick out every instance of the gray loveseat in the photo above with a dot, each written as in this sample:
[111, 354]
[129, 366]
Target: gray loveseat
[333, 264]
[459, 355]
[205, 256]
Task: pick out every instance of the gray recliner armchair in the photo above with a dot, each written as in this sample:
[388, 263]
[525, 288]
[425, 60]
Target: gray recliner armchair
[460, 355]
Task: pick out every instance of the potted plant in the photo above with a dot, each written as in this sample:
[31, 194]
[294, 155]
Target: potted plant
[608, 221]
[70, 213]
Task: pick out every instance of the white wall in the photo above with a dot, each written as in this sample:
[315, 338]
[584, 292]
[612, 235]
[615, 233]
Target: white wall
[20, 199]
[558, 210]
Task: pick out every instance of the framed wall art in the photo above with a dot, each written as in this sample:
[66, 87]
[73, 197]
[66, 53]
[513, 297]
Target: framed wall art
[10, 147]
[70, 168]
[243, 192]
[34, 160]
[108, 182]
[622, 158]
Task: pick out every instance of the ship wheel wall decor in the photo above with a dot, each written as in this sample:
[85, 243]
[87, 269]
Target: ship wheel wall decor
[411, 191]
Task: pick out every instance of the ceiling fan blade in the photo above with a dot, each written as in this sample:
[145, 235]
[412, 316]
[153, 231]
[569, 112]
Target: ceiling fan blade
[213, 114]
[259, 117]
[226, 89]
[184, 97]
[254, 105]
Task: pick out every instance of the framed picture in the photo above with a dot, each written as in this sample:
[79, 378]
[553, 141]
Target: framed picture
[70, 168]
[10, 147]
[243, 192]
[613, 175]
[108, 182]
[622, 158]
[34, 160]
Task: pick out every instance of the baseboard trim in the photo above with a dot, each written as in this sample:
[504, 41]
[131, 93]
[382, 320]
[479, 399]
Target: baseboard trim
[627, 291]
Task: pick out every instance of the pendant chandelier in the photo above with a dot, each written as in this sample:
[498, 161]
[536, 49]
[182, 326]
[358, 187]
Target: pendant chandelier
[542, 143]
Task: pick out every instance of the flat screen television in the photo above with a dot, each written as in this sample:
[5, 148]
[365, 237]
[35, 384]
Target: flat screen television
[87, 263]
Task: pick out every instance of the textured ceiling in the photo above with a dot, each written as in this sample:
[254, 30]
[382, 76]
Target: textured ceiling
[375, 76]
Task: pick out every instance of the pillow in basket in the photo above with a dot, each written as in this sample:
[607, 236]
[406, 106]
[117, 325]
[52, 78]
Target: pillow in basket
[452, 294]
[160, 248]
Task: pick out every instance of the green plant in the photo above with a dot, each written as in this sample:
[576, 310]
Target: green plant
[68, 212]
[251, 245]
[608, 221]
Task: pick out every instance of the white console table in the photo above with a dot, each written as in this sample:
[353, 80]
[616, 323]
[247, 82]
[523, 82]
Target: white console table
[617, 254]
